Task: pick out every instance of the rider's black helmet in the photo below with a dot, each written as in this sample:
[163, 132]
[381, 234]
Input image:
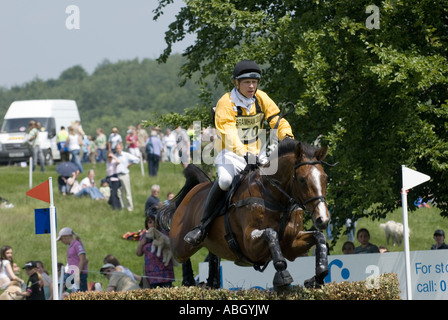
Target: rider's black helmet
[246, 69]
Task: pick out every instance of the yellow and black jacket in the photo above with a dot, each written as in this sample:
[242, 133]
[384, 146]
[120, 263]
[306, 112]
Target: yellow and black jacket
[238, 131]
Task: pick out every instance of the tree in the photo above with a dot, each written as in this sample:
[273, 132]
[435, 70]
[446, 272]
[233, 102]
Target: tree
[376, 95]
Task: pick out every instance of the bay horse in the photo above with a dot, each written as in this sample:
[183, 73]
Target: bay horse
[263, 218]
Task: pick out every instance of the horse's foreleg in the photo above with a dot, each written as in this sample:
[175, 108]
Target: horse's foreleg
[321, 261]
[282, 277]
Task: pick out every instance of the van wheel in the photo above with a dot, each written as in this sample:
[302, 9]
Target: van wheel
[49, 158]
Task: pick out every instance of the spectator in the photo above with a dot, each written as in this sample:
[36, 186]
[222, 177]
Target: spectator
[76, 255]
[8, 268]
[33, 140]
[48, 285]
[348, 247]
[153, 200]
[61, 139]
[439, 238]
[142, 137]
[89, 188]
[132, 142]
[105, 189]
[85, 149]
[169, 197]
[35, 285]
[118, 281]
[73, 186]
[74, 143]
[101, 145]
[126, 160]
[112, 179]
[169, 141]
[114, 139]
[113, 260]
[363, 237]
[153, 149]
[93, 153]
[156, 273]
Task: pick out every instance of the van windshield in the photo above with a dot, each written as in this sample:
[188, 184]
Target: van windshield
[22, 124]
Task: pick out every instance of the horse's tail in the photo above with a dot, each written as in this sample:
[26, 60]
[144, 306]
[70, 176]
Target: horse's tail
[193, 176]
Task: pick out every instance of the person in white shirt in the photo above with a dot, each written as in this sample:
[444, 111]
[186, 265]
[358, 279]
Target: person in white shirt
[89, 188]
[169, 140]
[126, 160]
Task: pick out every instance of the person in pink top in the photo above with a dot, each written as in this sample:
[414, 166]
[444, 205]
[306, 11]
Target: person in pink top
[132, 142]
[76, 256]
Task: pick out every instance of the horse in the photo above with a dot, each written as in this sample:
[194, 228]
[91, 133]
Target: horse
[263, 214]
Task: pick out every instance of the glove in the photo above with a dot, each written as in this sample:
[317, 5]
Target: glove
[263, 161]
[251, 158]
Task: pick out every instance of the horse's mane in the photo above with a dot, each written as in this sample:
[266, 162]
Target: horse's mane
[287, 146]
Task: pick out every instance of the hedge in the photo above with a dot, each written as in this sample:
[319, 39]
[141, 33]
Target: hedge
[384, 287]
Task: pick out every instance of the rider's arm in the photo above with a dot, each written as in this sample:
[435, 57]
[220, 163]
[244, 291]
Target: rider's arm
[225, 123]
[271, 112]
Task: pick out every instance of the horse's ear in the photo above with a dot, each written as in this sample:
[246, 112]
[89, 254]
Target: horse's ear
[321, 153]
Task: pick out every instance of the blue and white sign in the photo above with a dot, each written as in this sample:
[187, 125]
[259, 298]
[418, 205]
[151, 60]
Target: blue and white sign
[429, 272]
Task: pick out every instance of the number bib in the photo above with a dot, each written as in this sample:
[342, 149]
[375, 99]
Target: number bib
[249, 127]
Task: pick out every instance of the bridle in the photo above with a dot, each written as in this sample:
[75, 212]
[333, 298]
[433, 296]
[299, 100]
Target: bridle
[294, 203]
[292, 200]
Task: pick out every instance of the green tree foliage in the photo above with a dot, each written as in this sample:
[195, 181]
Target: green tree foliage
[377, 96]
[115, 94]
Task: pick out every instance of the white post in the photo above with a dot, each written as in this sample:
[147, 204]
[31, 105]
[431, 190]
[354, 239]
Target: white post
[404, 204]
[54, 251]
[142, 165]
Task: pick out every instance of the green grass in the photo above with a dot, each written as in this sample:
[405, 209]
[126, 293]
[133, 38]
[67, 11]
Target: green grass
[101, 228]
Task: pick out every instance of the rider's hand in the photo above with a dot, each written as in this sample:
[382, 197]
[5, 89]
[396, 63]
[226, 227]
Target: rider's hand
[251, 158]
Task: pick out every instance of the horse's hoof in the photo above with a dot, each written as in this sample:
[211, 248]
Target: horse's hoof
[282, 278]
[313, 283]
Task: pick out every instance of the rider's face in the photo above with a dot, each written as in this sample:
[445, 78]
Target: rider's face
[248, 87]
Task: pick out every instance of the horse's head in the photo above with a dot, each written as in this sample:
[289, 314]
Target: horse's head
[308, 182]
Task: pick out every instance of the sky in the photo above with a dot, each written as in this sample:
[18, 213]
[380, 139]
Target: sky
[42, 38]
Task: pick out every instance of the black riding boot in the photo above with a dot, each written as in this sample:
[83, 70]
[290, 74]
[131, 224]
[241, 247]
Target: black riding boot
[197, 235]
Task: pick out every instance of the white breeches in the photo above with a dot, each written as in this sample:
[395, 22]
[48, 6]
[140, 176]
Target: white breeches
[228, 164]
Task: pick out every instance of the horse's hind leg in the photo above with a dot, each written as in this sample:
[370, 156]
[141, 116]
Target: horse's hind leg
[321, 261]
[213, 280]
[282, 277]
[187, 274]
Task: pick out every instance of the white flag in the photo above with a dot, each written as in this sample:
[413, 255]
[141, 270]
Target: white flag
[412, 178]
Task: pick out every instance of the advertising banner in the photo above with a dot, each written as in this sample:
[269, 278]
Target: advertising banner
[429, 272]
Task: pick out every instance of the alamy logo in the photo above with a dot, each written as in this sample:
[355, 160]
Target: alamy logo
[73, 20]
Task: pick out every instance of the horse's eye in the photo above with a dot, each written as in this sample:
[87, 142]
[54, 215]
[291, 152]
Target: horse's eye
[302, 180]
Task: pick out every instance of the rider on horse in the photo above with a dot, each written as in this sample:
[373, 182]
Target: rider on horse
[239, 116]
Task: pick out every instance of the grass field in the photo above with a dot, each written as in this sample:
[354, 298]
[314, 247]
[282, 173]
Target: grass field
[101, 228]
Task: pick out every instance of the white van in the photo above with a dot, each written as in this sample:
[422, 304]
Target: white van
[52, 114]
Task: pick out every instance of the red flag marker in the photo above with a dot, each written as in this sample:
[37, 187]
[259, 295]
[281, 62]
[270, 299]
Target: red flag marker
[41, 192]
